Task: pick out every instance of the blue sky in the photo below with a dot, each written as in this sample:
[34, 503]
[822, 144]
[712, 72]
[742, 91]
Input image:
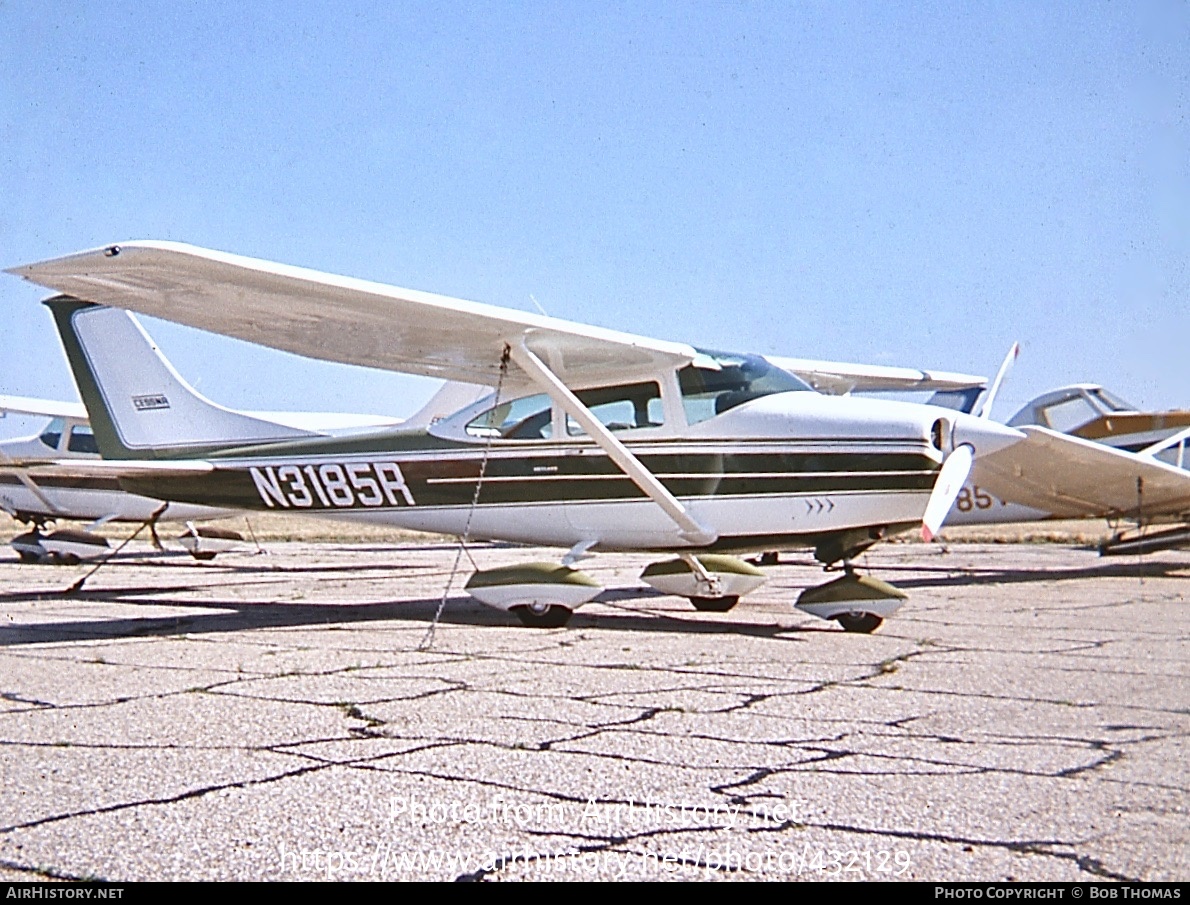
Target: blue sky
[914, 184]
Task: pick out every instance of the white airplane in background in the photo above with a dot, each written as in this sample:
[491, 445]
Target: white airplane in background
[99, 499]
[55, 498]
[1103, 458]
[594, 440]
[1087, 454]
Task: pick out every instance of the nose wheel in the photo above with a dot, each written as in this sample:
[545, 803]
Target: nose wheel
[860, 623]
[542, 615]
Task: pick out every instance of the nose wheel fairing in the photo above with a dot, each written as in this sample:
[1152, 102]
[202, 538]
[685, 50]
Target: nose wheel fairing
[857, 602]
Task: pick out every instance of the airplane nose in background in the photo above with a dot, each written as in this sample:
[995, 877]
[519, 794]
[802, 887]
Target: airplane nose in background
[985, 437]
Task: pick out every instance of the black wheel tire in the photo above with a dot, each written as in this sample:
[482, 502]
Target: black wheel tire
[860, 623]
[553, 616]
[770, 558]
[65, 559]
[28, 557]
[715, 604]
[203, 556]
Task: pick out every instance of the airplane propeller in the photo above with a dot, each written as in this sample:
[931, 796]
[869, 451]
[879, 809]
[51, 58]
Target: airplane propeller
[957, 465]
[950, 481]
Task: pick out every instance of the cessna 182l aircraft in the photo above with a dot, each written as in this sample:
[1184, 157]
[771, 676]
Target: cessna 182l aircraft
[593, 440]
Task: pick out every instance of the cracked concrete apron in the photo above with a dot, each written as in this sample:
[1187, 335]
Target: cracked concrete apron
[1023, 717]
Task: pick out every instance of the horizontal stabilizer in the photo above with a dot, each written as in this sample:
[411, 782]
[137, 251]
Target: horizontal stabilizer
[47, 408]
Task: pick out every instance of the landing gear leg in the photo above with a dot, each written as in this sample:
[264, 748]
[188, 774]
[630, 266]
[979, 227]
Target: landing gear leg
[157, 545]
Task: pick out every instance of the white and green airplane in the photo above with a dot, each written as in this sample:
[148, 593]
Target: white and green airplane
[593, 440]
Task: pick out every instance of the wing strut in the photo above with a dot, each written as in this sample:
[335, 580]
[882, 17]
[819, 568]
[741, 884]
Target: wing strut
[691, 529]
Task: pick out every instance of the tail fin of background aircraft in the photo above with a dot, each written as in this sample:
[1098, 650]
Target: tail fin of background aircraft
[985, 410]
[140, 407]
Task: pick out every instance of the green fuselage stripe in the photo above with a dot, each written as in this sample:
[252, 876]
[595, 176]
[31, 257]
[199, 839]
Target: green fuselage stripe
[447, 481]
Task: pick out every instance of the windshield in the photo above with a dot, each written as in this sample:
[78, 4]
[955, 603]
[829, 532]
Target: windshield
[707, 392]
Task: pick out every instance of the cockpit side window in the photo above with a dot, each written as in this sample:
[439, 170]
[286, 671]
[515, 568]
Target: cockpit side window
[52, 435]
[1069, 414]
[1176, 454]
[626, 407]
[1111, 402]
[708, 392]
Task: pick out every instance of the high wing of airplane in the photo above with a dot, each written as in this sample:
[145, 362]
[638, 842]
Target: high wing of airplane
[592, 440]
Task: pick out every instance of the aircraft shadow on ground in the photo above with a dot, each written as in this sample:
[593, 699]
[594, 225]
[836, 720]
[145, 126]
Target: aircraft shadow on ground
[260, 566]
[972, 576]
[245, 616]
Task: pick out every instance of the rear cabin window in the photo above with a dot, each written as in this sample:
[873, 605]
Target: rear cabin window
[527, 418]
[52, 435]
[628, 407]
[82, 440]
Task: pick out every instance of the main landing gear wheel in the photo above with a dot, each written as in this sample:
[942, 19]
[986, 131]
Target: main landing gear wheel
[542, 615]
[540, 594]
[715, 604]
[716, 587]
[860, 623]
